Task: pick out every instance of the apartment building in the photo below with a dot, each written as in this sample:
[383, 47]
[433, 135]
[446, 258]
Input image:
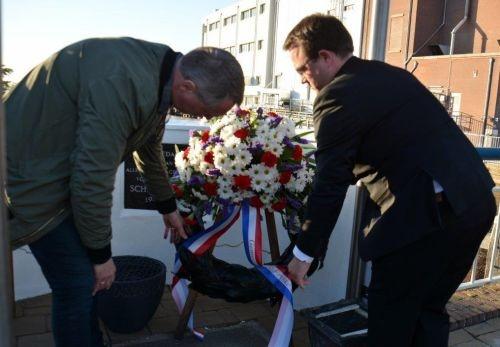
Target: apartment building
[254, 31]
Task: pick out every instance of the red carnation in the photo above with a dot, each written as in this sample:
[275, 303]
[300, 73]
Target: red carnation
[205, 136]
[279, 205]
[269, 159]
[209, 157]
[186, 153]
[179, 193]
[210, 188]
[272, 114]
[241, 133]
[242, 113]
[297, 153]
[285, 177]
[242, 182]
[256, 202]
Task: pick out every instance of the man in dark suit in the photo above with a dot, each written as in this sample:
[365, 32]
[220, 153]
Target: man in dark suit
[378, 124]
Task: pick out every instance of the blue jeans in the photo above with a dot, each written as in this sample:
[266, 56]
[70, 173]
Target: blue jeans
[70, 274]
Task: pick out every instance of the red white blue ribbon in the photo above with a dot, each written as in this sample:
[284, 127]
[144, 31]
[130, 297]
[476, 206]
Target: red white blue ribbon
[252, 237]
[198, 244]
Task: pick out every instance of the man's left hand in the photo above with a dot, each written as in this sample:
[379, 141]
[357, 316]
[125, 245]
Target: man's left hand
[297, 271]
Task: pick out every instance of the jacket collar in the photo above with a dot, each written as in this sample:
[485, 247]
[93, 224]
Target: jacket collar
[165, 86]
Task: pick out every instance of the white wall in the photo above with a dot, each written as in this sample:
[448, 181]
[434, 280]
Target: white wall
[139, 232]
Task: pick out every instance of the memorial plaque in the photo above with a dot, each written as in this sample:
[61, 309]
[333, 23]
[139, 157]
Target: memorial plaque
[137, 195]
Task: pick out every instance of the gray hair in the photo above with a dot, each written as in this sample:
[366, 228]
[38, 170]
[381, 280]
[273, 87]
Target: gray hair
[216, 73]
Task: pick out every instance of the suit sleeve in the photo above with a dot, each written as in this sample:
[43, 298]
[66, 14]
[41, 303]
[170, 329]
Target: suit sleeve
[105, 122]
[338, 135]
[150, 162]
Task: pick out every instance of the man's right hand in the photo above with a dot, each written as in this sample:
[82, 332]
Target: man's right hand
[104, 275]
[174, 225]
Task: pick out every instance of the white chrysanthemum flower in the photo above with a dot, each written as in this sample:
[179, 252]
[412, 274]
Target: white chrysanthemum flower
[225, 192]
[270, 173]
[256, 170]
[244, 157]
[259, 182]
[204, 166]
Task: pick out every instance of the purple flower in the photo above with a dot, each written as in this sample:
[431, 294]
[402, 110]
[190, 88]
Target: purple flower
[216, 139]
[256, 149]
[290, 167]
[196, 180]
[294, 203]
[302, 141]
[288, 143]
[276, 121]
[214, 172]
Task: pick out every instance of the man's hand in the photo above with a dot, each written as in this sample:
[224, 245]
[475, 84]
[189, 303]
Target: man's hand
[297, 271]
[174, 225]
[104, 275]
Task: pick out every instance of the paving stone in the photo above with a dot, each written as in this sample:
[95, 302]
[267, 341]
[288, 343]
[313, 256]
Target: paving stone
[37, 311]
[164, 324]
[301, 338]
[29, 325]
[459, 336]
[299, 321]
[474, 343]
[480, 329]
[38, 340]
[115, 337]
[42, 300]
[215, 318]
[495, 322]
[491, 339]
[19, 311]
[251, 311]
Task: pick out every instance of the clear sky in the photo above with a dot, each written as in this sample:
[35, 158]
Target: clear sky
[34, 29]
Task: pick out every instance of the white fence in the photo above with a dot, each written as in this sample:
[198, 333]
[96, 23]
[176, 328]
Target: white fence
[486, 266]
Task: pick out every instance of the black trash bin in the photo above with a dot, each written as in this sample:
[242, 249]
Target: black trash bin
[340, 324]
[134, 296]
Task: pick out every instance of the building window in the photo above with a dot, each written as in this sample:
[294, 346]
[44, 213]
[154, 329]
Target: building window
[396, 33]
[257, 80]
[348, 7]
[213, 26]
[230, 20]
[246, 47]
[248, 13]
[259, 44]
[262, 8]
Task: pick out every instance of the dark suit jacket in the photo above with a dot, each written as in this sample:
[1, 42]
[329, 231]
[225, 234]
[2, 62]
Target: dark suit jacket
[378, 124]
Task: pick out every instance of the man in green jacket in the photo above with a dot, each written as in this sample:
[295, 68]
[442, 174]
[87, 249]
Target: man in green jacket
[70, 123]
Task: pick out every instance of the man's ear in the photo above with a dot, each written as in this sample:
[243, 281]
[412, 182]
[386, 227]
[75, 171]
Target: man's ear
[327, 55]
[188, 86]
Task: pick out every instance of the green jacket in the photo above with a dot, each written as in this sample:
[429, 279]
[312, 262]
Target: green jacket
[70, 123]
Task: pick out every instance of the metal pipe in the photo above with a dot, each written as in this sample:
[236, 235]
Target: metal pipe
[487, 97]
[458, 26]
[443, 22]
[452, 41]
[6, 294]
[410, 14]
[378, 30]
